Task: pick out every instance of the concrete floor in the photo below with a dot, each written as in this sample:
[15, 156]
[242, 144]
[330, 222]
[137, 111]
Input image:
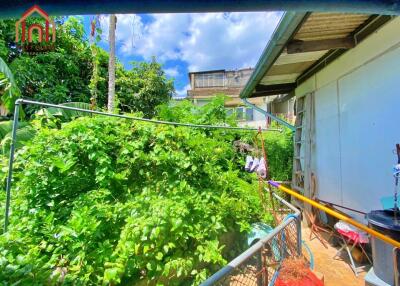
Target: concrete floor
[336, 272]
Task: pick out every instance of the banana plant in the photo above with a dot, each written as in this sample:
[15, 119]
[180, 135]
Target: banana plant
[9, 91]
[65, 114]
[25, 133]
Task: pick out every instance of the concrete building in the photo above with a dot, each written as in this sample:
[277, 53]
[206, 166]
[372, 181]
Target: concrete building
[205, 85]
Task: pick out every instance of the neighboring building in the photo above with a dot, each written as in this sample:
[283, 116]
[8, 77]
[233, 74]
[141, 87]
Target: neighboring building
[282, 106]
[344, 72]
[205, 85]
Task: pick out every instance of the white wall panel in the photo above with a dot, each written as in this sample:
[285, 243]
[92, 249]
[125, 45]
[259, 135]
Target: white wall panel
[370, 127]
[327, 149]
[357, 118]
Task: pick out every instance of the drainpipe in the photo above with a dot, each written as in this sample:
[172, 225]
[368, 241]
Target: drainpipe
[267, 114]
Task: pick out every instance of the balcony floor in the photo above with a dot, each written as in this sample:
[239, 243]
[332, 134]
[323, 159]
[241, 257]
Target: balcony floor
[336, 271]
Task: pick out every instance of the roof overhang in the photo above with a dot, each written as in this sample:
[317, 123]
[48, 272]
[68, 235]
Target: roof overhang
[304, 43]
[14, 9]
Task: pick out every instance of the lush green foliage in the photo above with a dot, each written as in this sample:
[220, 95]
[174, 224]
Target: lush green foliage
[9, 90]
[59, 76]
[77, 71]
[279, 148]
[212, 113]
[143, 88]
[108, 201]
[25, 133]
[105, 200]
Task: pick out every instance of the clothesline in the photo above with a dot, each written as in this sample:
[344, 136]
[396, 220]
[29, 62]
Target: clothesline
[19, 102]
[191, 125]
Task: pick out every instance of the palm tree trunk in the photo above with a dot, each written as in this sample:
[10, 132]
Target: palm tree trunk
[111, 64]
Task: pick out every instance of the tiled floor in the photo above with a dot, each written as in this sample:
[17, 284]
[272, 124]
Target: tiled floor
[336, 271]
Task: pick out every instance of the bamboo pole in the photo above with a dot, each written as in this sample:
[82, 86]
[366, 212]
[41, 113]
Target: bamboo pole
[337, 215]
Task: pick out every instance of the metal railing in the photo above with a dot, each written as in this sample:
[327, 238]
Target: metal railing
[259, 265]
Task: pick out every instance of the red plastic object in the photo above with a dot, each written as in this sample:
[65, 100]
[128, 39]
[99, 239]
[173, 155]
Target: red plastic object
[309, 280]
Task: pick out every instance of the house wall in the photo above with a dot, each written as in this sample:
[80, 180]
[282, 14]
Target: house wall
[284, 109]
[357, 99]
[258, 117]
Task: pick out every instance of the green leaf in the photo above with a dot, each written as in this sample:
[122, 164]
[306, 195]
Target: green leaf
[159, 256]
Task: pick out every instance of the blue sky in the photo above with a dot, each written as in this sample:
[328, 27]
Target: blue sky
[191, 42]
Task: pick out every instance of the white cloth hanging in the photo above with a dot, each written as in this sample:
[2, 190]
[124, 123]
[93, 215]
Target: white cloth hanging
[255, 165]
[262, 169]
[249, 163]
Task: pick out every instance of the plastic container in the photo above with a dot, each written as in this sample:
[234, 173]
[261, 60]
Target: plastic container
[382, 252]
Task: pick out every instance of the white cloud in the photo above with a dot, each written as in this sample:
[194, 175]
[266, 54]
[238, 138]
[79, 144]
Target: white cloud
[204, 41]
[182, 92]
[172, 72]
[227, 41]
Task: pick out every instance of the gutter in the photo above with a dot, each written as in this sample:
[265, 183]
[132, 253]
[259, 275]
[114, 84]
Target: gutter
[282, 34]
[267, 114]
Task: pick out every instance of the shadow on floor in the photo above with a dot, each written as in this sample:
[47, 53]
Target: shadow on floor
[336, 271]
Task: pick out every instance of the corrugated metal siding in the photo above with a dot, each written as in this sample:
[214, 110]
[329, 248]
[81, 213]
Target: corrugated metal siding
[318, 26]
[323, 26]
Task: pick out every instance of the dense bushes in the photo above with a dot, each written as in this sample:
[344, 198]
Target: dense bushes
[279, 146]
[280, 154]
[108, 201]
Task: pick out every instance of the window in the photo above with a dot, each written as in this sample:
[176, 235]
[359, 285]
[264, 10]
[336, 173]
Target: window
[249, 114]
[242, 113]
[201, 102]
[229, 111]
[209, 80]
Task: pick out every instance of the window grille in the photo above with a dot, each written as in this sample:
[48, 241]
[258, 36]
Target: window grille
[209, 80]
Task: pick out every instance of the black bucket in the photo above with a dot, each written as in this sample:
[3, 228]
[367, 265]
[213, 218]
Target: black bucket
[384, 222]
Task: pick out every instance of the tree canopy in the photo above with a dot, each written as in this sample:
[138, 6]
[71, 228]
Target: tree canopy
[76, 70]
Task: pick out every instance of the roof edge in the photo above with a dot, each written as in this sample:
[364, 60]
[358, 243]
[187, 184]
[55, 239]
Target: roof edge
[287, 26]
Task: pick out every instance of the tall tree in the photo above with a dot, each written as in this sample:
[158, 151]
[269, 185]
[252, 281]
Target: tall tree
[143, 88]
[111, 64]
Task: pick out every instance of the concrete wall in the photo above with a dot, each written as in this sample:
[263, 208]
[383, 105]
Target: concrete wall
[258, 117]
[357, 101]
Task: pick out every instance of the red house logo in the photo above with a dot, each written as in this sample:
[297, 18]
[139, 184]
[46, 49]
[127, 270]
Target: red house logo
[26, 37]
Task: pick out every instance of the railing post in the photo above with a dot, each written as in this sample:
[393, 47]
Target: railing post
[298, 229]
[395, 267]
[10, 164]
[260, 268]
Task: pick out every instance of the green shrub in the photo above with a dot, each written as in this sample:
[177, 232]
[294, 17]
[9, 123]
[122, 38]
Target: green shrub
[279, 148]
[105, 200]
[108, 201]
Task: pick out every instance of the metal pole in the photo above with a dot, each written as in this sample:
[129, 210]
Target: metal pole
[295, 215]
[249, 253]
[10, 164]
[273, 117]
[254, 249]
[299, 241]
[395, 267]
[337, 215]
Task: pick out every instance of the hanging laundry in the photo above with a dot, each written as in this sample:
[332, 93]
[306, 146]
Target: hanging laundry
[249, 163]
[255, 165]
[262, 169]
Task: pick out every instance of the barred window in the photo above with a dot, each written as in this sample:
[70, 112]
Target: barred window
[209, 80]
